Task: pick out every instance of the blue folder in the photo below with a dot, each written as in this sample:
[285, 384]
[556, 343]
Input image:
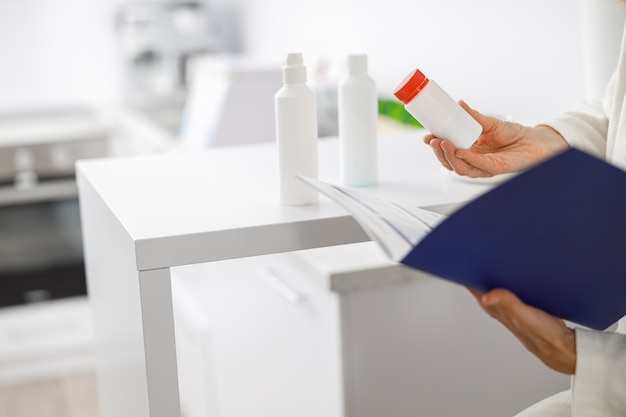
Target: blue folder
[555, 235]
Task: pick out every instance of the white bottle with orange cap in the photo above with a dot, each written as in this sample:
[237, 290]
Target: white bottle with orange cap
[437, 111]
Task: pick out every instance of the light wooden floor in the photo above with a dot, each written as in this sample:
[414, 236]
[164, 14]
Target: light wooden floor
[67, 396]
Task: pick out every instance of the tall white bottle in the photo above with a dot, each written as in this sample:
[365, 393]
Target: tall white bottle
[358, 124]
[296, 133]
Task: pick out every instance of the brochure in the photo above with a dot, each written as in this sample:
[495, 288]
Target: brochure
[554, 234]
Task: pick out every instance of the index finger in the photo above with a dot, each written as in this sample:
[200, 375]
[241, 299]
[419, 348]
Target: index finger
[458, 165]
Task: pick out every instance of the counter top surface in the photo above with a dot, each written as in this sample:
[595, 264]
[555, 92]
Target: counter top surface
[223, 188]
[178, 194]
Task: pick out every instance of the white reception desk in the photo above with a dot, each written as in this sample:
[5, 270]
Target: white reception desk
[144, 215]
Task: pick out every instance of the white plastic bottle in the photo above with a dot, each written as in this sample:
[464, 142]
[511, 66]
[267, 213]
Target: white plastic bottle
[358, 124]
[296, 133]
[437, 111]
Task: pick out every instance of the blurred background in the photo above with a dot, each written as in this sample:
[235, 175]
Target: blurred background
[525, 59]
[100, 78]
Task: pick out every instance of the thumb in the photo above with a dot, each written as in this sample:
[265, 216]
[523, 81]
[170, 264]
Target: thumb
[500, 302]
[478, 116]
[507, 308]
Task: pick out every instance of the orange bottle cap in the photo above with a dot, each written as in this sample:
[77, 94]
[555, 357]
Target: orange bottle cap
[411, 86]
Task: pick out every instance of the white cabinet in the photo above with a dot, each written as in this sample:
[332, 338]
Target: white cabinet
[368, 338]
[340, 331]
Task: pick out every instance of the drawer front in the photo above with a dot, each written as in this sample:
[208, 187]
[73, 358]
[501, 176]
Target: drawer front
[275, 335]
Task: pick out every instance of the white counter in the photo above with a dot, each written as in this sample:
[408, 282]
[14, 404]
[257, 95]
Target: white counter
[143, 215]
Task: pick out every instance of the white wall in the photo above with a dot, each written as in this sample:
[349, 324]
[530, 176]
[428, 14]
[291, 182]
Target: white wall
[602, 29]
[64, 52]
[523, 58]
[56, 52]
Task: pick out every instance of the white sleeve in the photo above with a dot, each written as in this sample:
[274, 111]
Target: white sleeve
[599, 386]
[585, 128]
[558, 405]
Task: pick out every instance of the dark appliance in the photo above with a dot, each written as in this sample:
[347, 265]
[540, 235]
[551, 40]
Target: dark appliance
[41, 256]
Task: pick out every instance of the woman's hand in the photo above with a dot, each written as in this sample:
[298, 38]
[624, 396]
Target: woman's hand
[502, 147]
[544, 335]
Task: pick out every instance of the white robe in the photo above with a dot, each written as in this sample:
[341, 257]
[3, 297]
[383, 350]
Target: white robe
[599, 386]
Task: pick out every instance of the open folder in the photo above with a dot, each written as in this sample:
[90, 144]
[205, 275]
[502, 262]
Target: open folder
[554, 234]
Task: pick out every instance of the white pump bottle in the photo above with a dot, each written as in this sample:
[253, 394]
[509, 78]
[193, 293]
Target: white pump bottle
[296, 133]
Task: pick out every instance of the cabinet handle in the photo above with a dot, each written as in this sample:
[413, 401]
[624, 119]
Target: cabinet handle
[279, 286]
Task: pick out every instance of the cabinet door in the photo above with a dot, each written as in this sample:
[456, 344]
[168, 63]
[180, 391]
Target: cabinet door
[275, 335]
[424, 348]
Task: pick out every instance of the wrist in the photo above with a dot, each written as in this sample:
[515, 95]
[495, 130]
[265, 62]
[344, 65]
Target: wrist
[566, 351]
[551, 138]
